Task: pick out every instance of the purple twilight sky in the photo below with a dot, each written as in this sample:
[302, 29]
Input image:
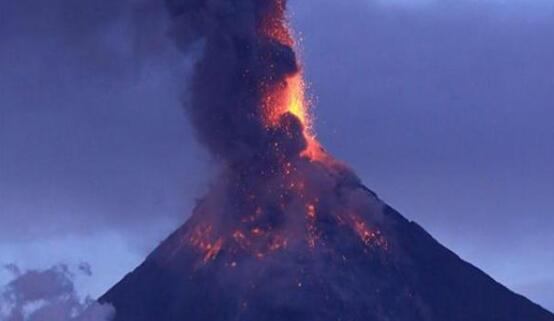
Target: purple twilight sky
[443, 107]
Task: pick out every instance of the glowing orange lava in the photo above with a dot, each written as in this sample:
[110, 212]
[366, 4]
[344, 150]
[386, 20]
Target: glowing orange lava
[370, 237]
[290, 96]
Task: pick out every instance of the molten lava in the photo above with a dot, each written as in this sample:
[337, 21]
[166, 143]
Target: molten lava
[289, 97]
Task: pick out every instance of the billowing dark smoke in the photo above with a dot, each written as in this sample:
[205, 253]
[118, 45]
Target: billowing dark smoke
[241, 61]
[248, 109]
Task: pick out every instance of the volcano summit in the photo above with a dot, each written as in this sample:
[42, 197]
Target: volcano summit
[287, 233]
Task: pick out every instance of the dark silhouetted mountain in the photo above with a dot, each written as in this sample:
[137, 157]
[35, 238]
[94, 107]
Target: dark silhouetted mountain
[373, 266]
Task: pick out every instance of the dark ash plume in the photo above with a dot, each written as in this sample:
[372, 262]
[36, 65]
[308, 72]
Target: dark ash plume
[239, 63]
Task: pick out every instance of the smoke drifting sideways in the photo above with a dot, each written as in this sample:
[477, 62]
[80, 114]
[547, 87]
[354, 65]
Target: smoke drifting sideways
[48, 295]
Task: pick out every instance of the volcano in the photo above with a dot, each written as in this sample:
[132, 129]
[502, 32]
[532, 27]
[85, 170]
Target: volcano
[286, 232]
[375, 266]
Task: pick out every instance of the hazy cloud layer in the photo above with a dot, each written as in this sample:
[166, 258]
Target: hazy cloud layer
[48, 295]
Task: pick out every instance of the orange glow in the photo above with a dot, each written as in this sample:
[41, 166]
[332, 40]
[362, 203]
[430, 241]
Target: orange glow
[281, 95]
[274, 26]
[278, 243]
[213, 251]
[257, 231]
[290, 96]
[312, 233]
[370, 237]
[241, 239]
[310, 211]
[292, 99]
[296, 100]
[200, 238]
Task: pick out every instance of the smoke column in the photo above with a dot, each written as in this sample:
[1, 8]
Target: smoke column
[247, 88]
[249, 109]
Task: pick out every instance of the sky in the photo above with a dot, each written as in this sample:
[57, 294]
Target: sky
[443, 107]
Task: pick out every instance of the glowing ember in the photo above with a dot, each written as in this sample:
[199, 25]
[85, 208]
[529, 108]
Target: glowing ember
[213, 250]
[290, 96]
[241, 239]
[278, 243]
[311, 229]
[370, 237]
[256, 231]
[310, 211]
[296, 101]
[200, 238]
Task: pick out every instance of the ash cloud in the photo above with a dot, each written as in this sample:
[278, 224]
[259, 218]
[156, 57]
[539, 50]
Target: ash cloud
[48, 295]
[236, 65]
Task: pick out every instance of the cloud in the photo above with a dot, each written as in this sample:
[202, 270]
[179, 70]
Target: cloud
[48, 295]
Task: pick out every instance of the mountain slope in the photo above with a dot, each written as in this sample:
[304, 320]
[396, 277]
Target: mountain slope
[385, 269]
